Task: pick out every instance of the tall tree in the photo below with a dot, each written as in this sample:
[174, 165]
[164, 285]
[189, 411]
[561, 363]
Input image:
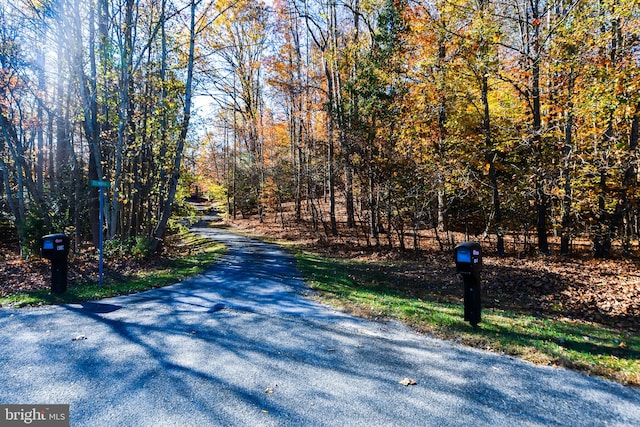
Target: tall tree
[167, 209]
[527, 34]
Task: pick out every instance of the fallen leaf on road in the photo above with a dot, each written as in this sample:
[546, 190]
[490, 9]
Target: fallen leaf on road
[79, 338]
[269, 390]
[408, 381]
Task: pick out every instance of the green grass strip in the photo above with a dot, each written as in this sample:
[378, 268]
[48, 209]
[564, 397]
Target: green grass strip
[203, 252]
[362, 288]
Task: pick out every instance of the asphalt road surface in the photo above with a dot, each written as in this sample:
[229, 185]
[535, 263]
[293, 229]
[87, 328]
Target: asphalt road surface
[241, 345]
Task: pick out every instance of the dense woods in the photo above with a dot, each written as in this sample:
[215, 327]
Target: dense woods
[495, 118]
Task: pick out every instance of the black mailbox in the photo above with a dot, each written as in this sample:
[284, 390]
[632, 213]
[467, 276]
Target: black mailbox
[55, 247]
[468, 257]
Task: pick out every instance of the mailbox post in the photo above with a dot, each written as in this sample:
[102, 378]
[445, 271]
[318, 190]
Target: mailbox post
[55, 247]
[468, 257]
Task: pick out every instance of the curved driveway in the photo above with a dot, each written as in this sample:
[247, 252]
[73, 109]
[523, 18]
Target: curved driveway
[242, 346]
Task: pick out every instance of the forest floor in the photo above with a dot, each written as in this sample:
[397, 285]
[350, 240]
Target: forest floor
[18, 275]
[575, 287]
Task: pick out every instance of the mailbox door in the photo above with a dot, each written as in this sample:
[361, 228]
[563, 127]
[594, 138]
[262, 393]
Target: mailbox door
[55, 246]
[468, 256]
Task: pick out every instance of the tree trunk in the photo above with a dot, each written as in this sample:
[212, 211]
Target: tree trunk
[40, 58]
[442, 134]
[87, 88]
[374, 226]
[541, 200]
[631, 173]
[123, 118]
[348, 122]
[335, 111]
[608, 223]
[491, 159]
[175, 175]
[565, 238]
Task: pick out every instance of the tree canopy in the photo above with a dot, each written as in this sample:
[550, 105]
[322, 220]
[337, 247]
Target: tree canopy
[456, 115]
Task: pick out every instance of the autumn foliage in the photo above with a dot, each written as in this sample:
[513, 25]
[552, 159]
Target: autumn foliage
[508, 121]
[490, 118]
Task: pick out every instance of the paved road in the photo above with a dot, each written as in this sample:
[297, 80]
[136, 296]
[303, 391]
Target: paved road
[241, 346]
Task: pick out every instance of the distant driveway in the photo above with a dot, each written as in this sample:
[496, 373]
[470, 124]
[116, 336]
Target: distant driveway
[242, 346]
